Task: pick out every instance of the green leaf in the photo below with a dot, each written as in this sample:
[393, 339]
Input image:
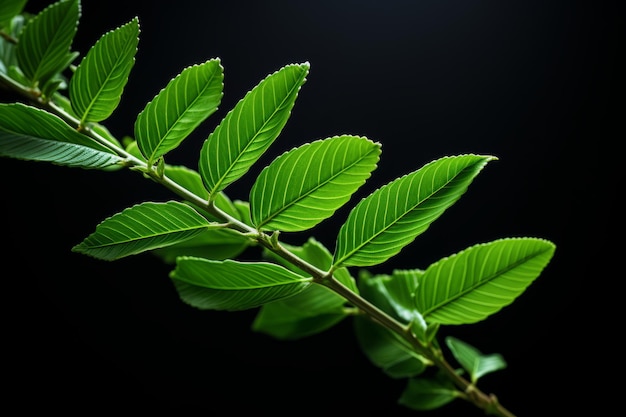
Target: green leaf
[44, 44]
[386, 350]
[233, 285]
[32, 134]
[186, 101]
[215, 244]
[250, 128]
[8, 58]
[472, 360]
[143, 227]
[475, 283]
[423, 394]
[394, 293]
[308, 184]
[394, 215]
[313, 310]
[8, 10]
[99, 80]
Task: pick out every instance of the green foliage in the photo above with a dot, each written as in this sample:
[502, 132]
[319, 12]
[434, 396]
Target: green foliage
[299, 290]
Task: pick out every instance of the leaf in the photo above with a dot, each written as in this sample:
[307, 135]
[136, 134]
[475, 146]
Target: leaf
[216, 244]
[143, 227]
[394, 215]
[424, 394]
[313, 310]
[475, 283]
[394, 293]
[32, 134]
[388, 351]
[232, 285]
[10, 9]
[472, 360]
[44, 44]
[97, 84]
[308, 184]
[250, 127]
[186, 101]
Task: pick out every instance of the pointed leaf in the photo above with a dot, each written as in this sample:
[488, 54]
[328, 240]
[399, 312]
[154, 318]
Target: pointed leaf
[472, 360]
[99, 80]
[475, 283]
[308, 184]
[179, 108]
[45, 41]
[32, 134]
[424, 394]
[8, 10]
[394, 215]
[250, 128]
[143, 227]
[233, 285]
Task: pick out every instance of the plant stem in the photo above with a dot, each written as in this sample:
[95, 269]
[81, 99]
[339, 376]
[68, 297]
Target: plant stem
[488, 403]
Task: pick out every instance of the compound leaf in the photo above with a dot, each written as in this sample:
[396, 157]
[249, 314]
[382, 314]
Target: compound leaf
[394, 215]
[99, 80]
[143, 227]
[308, 184]
[233, 285]
[187, 100]
[44, 45]
[479, 281]
[250, 127]
[32, 134]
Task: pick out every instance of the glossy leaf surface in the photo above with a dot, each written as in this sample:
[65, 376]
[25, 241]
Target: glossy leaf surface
[187, 100]
[394, 215]
[472, 360]
[308, 184]
[97, 84]
[233, 285]
[143, 227]
[28, 133]
[44, 44]
[250, 127]
[475, 283]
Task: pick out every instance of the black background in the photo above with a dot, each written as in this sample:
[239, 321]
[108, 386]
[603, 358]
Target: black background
[534, 83]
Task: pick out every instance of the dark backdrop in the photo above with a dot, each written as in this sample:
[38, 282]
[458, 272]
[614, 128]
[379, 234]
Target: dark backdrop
[534, 83]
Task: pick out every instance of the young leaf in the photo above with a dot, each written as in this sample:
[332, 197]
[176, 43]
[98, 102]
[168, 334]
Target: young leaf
[99, 80]
[394, 215]
[233, 285]
[393, 293]
[32, 134]
[143, 227]
[179, 108]
[8, 10]
[44, 45]
[422, 394]
[308, 184]
[472, 360]
[479, 281]
[313, 310]
[250, 128]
